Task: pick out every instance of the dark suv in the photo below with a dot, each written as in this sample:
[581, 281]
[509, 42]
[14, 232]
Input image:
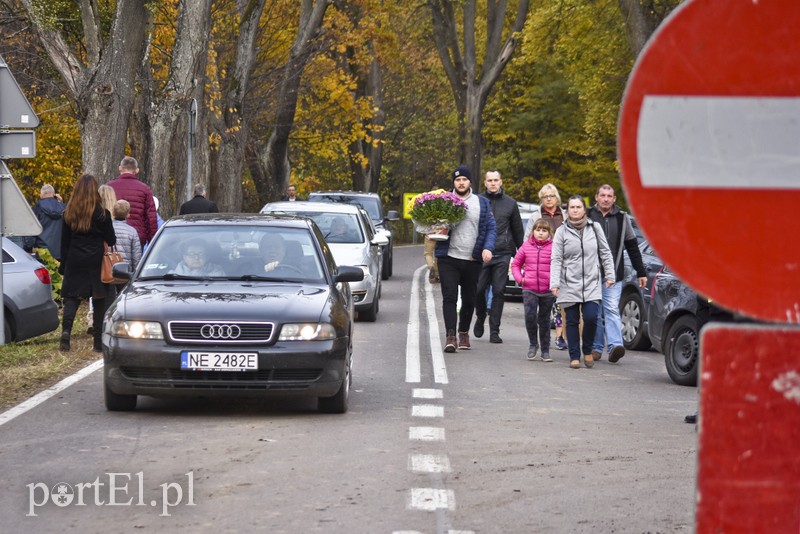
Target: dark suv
[371, 202]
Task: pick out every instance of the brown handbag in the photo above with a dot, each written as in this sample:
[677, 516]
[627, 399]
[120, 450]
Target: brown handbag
[110, 257]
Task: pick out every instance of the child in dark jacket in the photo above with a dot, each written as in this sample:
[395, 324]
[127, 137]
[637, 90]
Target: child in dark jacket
[531, 270]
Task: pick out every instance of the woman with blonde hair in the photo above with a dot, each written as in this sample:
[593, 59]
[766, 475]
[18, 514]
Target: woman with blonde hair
[550, 209]
[86, 226]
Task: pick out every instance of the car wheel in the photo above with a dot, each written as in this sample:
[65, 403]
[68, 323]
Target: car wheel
[337, 403]
[386, 266]
[370, 314]
[681, 351]
[631, 311]
[119, 403]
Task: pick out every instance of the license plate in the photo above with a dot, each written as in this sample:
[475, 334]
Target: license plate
[219, 361]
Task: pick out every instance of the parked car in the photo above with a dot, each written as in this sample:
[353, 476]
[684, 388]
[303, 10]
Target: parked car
[512, 289]
[28, 306]
[381, 218]
[672, 326]
[239, 329]
[359, 245]
[635, 301]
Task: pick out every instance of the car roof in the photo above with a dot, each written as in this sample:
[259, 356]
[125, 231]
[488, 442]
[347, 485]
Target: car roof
[242, 219]
[316, 207]
[345, 193]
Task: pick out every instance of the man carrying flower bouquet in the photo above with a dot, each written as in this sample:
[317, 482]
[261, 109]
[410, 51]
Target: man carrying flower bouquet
[461, 257]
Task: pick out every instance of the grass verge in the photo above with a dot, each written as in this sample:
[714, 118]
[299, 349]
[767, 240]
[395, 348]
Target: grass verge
[33, 365]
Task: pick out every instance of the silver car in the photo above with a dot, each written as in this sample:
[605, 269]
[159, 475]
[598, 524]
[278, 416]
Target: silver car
[352, 241]
[29, 309]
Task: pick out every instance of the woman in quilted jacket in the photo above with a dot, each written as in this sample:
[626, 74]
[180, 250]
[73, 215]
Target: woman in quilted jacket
[531, 269]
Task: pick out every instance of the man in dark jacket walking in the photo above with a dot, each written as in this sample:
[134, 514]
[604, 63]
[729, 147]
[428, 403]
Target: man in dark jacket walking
[143, 208]
[510, 234]
[198, 204]
[617, 226]
[49, 209]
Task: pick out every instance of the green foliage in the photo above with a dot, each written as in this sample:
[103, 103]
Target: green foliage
[56, 281]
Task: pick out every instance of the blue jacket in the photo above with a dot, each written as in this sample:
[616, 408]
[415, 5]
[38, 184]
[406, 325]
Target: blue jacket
[487, 233]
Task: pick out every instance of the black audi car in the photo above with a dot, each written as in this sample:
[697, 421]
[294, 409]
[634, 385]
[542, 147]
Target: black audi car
[232, 305]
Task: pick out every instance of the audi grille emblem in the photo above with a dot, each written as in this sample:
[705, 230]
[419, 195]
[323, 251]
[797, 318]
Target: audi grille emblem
[220, 331]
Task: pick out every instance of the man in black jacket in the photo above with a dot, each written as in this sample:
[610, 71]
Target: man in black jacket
[620, 235]
[510, 234]
[199, 204]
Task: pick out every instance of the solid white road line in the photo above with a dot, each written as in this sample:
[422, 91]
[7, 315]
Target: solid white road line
[431, 499]
[428, 463]
[437, 356]
[719, 142]
[39, 398]
[425, 433]
[427, 393]
[427, 410]
[412, 333]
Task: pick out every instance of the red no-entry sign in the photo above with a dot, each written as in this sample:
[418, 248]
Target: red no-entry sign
[709, 148]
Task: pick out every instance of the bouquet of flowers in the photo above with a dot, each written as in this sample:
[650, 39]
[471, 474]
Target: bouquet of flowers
[434, 212]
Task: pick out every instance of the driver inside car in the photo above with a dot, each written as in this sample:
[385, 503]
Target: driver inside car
[195, 260]
[273, 251]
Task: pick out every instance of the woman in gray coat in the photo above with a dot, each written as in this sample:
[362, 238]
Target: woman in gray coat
[579, 246]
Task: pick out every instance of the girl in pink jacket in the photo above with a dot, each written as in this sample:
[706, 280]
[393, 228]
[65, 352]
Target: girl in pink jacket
[531, 270]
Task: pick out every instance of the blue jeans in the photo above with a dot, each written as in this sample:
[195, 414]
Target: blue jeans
[589, 311]
[612, 332]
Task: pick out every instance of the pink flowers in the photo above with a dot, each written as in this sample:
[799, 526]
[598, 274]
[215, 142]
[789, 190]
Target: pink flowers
[438, 208]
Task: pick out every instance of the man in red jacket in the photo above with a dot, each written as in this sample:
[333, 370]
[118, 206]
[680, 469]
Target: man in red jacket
[143, 209]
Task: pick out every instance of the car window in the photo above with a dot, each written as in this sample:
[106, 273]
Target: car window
[233, 252]
[371, 204]
[336, 227]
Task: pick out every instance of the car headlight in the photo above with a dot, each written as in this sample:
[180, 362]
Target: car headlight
[364, 268]
[307, 332]
[137, 329]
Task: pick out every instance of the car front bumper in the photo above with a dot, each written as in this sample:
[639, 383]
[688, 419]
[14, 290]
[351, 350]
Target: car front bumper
[153, 368]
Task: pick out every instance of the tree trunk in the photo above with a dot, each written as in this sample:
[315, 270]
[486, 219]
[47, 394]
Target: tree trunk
[103, 87]
[273, 158]
[641, 20]
[227, 162]
[471, 84]
[187, 64]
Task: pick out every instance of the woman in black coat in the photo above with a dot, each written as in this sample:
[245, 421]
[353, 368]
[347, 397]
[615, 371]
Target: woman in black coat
[86, 226]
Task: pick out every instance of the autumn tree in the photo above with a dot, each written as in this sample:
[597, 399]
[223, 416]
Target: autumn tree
[96, 48]
[471, 82]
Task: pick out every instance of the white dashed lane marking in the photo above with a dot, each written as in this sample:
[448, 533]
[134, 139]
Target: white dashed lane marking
[425, 433]
[431, 499]
[428, 463]
[427, 410]
[427, 394]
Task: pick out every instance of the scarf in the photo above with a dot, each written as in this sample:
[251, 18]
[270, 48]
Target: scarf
[580, 224]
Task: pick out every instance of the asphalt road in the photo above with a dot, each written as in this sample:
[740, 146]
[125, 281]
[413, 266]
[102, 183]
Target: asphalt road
[478, 441]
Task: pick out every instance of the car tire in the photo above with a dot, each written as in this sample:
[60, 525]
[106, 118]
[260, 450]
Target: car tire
[631, 312]
[370, 314]
[681, 354]
[338, 403]
[119, 403]
[386, 266]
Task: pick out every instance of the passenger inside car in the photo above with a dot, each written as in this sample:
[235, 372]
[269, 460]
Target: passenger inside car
[340, 231]
[195, 260]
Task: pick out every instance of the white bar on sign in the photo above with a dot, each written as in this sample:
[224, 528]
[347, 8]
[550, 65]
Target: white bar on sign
[428, 463]
[719, 142]
[431, 499]
[24, 119]
[426, 433]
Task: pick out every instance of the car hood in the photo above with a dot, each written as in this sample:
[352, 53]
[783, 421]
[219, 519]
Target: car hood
[256, 301]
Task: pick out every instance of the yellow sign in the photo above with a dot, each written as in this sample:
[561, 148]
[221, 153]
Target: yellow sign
[407, 204]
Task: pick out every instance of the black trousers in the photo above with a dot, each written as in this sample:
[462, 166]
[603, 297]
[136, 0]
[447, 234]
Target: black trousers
[494, 274]
[454, 275]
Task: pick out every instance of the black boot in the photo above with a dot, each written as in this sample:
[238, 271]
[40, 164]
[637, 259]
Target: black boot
[477, 330]
[64, 345]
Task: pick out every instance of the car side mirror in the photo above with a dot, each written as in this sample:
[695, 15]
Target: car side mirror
[121, 270]
[380, 239]
[346, 273]
[392, 215]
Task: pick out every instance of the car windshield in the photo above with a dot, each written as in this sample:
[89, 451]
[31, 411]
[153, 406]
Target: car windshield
[370, 204]
[233, 252]
[336, 227]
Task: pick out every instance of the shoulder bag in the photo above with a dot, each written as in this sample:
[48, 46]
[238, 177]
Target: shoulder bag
[110, 257]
